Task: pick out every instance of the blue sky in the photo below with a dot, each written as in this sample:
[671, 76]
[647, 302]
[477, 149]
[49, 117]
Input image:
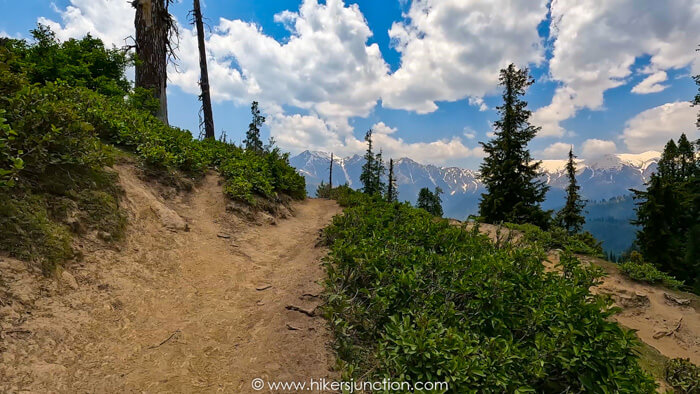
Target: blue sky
[612, 77]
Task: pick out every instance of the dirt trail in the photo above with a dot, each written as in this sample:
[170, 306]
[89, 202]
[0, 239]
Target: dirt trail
[194, 300]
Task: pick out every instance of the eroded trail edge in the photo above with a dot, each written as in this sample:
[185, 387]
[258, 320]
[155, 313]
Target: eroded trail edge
[194, 300]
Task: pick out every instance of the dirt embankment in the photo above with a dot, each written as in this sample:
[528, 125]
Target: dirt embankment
[194, 300]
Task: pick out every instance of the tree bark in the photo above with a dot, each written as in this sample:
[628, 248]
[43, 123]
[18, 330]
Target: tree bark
[204, 74]
[153, 25]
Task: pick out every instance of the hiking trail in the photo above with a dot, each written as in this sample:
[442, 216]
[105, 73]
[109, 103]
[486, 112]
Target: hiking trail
[195, 299]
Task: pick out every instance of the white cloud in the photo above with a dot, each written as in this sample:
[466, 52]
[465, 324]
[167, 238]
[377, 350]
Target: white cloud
[595, 148]
[651, 129]
[651, 84]
[469, 132]
[437, 152]
[452, 49]
[597, 42]
[112, 21]
[557, 150]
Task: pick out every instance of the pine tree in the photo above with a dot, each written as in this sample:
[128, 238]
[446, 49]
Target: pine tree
[368, 175]
[379, 171]
[430, 201]
[696, 100]
[514, 192]
[392, 193]
[668, 213]
[570, 217]
[252, 137]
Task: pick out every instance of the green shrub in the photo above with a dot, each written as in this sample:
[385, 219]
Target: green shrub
[65, 106]
[413, 298]
[559, 238]
[646, 272]
[683, 376]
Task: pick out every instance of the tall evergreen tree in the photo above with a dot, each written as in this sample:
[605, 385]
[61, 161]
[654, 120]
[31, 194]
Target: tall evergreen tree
[514, 192]
[371, 171]
[252, 136]
[392, 193]
[379, 171]
[696, 100]
[570, 217]
[668, 213]
[430, 201]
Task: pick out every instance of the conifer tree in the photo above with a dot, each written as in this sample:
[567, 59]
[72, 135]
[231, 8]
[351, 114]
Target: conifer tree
[369, 169]
[668, 213]
[570, 217]
[430, 201]
[514, 192]
[379, 171]
[252, 136]
[392, 193]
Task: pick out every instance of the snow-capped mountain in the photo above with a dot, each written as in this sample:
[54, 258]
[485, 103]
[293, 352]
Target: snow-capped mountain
[601, 178]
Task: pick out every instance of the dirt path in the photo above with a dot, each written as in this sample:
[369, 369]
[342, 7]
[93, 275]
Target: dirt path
[199, 307]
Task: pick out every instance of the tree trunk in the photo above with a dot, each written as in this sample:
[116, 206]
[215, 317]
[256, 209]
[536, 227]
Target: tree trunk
[204, 74]
[153, 23]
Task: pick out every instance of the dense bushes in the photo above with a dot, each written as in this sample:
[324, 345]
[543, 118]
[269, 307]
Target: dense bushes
[413, 298]
[642, 271]
[559, 238]
[683, 376]
[64, 109]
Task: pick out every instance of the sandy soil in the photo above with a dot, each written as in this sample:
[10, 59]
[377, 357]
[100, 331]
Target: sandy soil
[194, 300]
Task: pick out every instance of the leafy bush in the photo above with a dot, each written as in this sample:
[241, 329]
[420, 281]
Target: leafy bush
[646, 272]
[64, 108]
[413, 298]
[683, 376]
[559, 238]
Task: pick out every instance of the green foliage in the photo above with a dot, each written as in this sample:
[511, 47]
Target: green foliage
[430, 201]
[668, 212]
[514, 192]
[683, 376]
[642, 271]
[84, 62]
[559, 238]
[63, 111]
[413, 298]
[252, 140]
[570, 216]
[372, 170]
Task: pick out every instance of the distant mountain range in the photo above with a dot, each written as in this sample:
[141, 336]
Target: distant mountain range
[601, 179]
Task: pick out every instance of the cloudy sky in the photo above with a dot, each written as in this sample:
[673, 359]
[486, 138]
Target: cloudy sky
[611, 75]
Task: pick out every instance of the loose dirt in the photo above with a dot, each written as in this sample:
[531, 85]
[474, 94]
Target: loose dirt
[194, 300]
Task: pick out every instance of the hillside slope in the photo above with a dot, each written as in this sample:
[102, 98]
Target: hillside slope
[192, 301]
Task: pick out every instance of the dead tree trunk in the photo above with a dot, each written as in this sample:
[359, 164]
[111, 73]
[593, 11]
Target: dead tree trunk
[154, 28]
[330, 173]
[204, 74]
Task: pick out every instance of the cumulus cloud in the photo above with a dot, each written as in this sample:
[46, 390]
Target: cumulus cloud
[557, 150]
[597, 42]
[112, 21]
[651, 129]
[651, 84]
[595, 148]
[452, 49]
